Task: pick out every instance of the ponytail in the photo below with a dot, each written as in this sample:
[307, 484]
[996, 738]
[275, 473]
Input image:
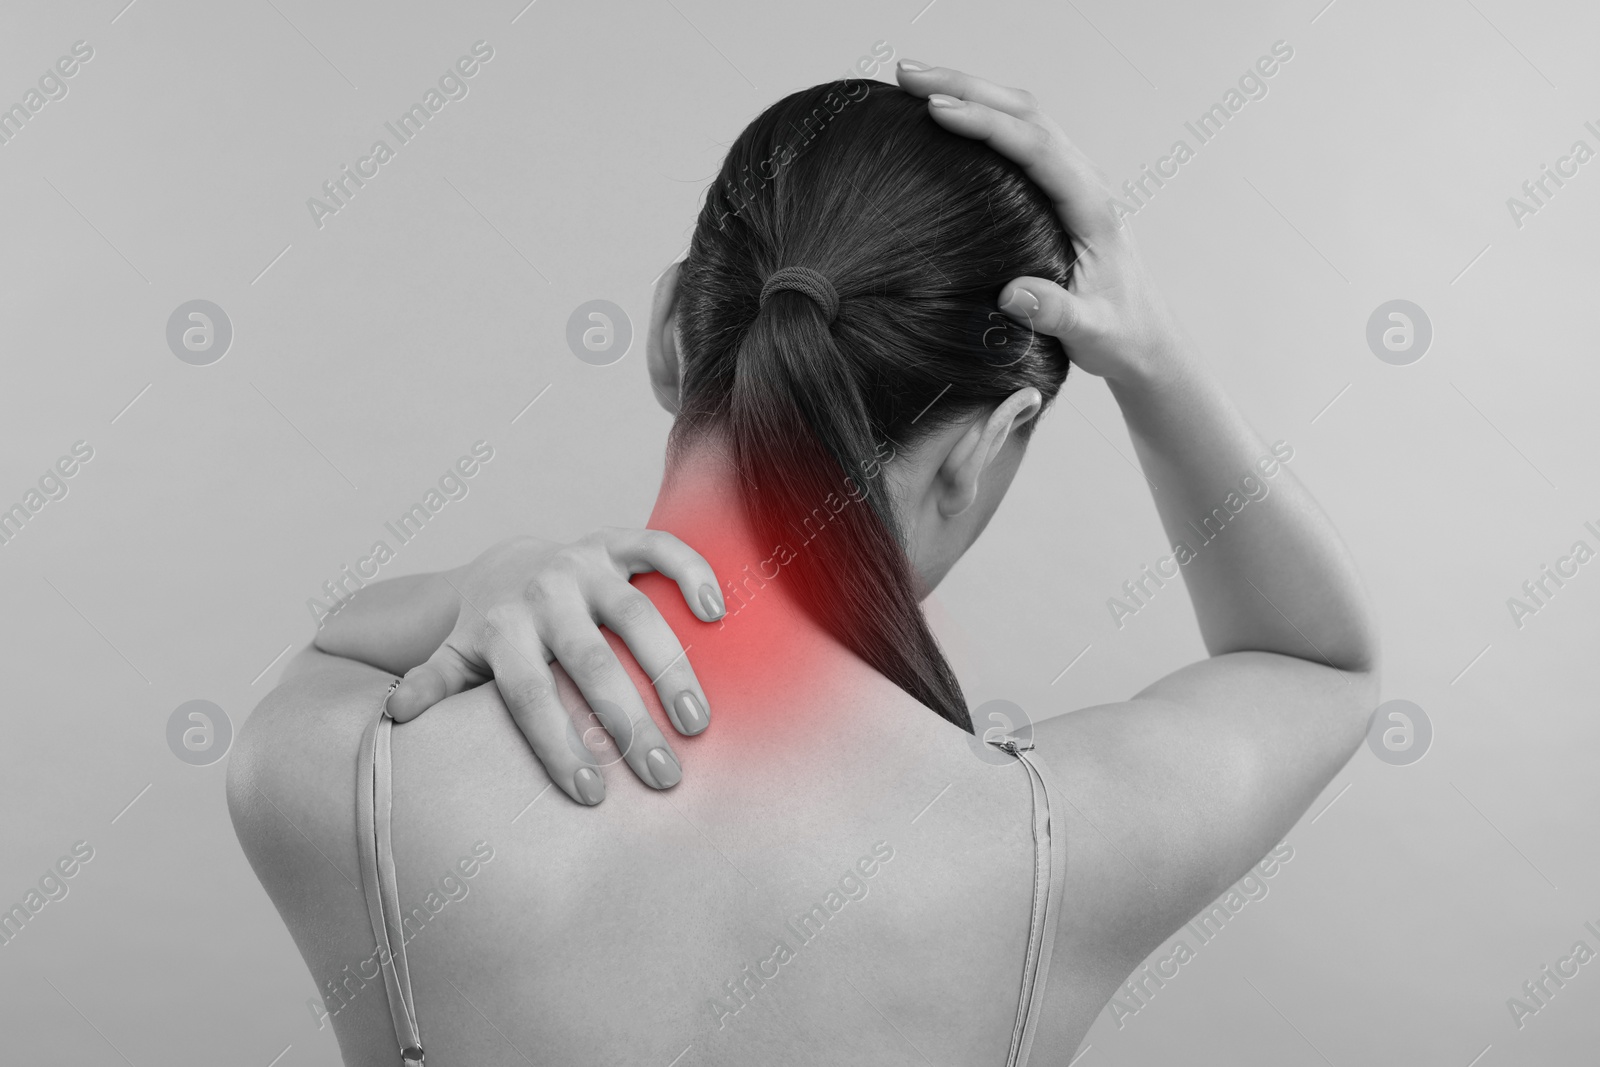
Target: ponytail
[804, 446]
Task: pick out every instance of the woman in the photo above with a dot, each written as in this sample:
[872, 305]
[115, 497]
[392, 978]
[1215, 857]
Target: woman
[836, 877]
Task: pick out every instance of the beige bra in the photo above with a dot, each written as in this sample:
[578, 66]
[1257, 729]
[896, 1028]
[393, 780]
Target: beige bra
[375, 809]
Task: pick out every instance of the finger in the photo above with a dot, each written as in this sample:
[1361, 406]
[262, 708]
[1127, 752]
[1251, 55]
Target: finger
[529, 691]
[640, 551]
[579, 647]
[922, 80]
[445, 673]
[1045, 307]
[633, 617]
[1044, 153]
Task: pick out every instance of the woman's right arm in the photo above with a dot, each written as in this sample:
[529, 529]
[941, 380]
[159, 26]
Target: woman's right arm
[524, 605]
[1264, 567]
[395, 624]
[1276, 580]
[1180, 790]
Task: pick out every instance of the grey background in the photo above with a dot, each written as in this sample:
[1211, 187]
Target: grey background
[370, 354]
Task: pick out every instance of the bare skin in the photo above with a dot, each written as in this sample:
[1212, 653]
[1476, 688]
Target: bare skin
[607, 934]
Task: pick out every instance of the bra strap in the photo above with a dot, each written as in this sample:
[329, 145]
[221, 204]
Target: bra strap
[374, 814]
[1049, 883]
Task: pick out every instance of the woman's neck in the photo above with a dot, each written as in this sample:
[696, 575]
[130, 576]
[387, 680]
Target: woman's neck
[766, 640]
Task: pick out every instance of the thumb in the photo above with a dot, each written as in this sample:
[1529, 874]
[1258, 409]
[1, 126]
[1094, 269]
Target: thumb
[445, 673]
[1044, 307]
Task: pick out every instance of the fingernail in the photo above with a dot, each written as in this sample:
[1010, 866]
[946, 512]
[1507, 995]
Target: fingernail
[691, 717]
[711, 601]
[1020, 302]
[913, 66]
[941, 100]
[663, 768]
[590, 786]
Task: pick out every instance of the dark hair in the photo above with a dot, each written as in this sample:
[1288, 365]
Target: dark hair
[918, 229]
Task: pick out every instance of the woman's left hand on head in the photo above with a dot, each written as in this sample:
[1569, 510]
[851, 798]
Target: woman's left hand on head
[1110, 317]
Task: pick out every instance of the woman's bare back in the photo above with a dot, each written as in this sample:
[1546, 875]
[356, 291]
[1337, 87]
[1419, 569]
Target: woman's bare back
[810, 893]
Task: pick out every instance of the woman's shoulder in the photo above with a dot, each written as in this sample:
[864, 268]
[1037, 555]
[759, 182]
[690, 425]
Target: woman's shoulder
[297, 749]
[292, 773]
[291, 794]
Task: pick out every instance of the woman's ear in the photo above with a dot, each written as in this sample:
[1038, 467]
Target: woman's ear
[661, 343]
[964, 467]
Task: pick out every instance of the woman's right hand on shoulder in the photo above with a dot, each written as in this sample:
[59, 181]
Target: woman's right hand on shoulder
[1110, 317]
[526, 603]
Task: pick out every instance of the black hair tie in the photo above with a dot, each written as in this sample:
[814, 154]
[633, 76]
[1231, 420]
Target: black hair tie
[805, 280]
